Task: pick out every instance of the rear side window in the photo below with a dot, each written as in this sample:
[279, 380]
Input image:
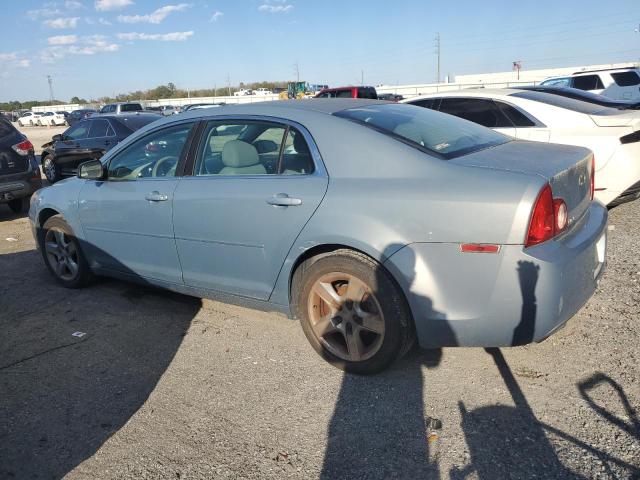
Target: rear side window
[130, 107]
[518, 118]
[478, 110]
[98, 128]
[626, 79]
[588, 82]
[344, 94]
[369, 93]
[443, 135]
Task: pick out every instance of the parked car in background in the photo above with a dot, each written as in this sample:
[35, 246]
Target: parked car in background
[51, 119]
[583, 96]
[464, 223]
[243, 92]
[19, 171]
[121, 108]
[28, 119]
[348, 92]
[262, 91]
[618, 83]
[88, 139]
[78, 115]
[613, 135]
[167, 110]
[199, 106]
[392, 97]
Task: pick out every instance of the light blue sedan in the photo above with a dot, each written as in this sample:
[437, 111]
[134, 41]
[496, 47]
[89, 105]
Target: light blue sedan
[375, 224]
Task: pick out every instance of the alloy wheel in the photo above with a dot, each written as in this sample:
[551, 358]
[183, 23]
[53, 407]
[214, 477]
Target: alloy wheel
[346, 317]
[62, 254]
[50, 169]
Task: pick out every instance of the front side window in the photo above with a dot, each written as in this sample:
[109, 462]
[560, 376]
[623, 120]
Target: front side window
[252, 148]
[588, 82]
[429, 131]
[477, 110]
[77, 132]
[154, 155]
[626, 79]
[426, 103]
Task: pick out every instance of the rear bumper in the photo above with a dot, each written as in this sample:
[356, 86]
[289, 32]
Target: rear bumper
[514, 297]
[619, 176]
[18, 186]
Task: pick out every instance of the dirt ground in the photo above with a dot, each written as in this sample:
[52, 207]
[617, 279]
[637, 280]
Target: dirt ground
[121, 381]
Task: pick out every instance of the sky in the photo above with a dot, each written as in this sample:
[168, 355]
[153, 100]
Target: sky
[94, 48]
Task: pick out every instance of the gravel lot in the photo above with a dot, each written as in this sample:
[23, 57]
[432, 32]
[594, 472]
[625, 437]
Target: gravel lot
[159, 385]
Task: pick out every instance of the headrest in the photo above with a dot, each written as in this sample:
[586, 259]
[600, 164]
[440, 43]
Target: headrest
[237, 153]
[299, 144]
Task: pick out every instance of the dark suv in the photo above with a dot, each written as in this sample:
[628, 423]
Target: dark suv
[88, 139]
[19, 171]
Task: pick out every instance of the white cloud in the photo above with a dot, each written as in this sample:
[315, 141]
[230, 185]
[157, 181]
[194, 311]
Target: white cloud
[270, 8]
[5, 57]
[45, 12]
[216, 15]
[24, 63]
[156, 17]
[104, 21]
[12, 60]
[62, 40]
[73, 5]
[89, 45]
[108, 5]
[62, 22]
[164, 37]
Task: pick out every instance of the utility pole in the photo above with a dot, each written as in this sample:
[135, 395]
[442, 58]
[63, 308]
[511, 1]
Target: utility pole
[517, 65]
[437, 46]
[362, 77]
[228, 85]
[50, 80]
[296, 68]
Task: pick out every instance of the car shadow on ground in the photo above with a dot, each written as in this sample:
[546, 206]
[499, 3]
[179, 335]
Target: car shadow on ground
[75, 365]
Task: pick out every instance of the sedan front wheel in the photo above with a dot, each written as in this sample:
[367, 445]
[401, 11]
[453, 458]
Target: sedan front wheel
[62, 254]
[51, 170]
[352, 312]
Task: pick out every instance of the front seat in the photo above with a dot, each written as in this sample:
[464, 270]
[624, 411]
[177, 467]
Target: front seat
[241, 158]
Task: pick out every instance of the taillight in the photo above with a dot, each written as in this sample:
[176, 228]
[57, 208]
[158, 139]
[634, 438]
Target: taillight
[550, 217]
[23, 148]
[542, 225]
[593, 175]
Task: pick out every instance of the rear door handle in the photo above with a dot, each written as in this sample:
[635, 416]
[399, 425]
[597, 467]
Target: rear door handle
[156, 197]
[283, 200]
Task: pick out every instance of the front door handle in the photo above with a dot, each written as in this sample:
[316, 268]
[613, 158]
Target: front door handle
[283, 200]
[156, 197]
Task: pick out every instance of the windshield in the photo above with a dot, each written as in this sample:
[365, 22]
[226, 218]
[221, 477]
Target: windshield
[130, 107]
[434, 132]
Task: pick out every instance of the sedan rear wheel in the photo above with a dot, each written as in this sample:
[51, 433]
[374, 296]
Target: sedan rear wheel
[352, 312]
[62, 254]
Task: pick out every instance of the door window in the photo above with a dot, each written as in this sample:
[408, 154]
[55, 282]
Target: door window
[557, 82]
[478, 110]
[344, 94]
[77, 132]
[99, 128]
[588, 82]
[296, 156]
[154, 155]
[426, 103]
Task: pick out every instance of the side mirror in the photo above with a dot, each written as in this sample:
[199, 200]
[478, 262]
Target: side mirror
[57, 137]
[91, 170]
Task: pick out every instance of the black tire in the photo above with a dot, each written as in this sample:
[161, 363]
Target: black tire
[83, 276]
[51, 169]
[18, 205]
[399, 332]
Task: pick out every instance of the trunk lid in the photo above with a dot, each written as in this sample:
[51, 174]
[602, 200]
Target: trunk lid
[630, 118]
[567, 168]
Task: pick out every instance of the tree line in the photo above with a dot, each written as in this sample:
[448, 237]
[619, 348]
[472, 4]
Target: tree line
[161, 91]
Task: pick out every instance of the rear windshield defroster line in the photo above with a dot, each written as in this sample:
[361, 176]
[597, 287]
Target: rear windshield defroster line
[435, 133]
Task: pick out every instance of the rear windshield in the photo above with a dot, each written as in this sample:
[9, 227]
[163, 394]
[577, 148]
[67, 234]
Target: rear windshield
[6, 128]
[434, 132]
[130, 107]
[135, 122]
[567, 103]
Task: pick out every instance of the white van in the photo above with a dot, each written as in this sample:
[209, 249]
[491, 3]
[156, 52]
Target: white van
[618, 84]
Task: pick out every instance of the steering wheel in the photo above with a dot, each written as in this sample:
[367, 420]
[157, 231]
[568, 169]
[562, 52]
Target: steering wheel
[167, 167]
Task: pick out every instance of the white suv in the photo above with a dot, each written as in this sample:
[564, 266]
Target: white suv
[619, 83]
[262, 91]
